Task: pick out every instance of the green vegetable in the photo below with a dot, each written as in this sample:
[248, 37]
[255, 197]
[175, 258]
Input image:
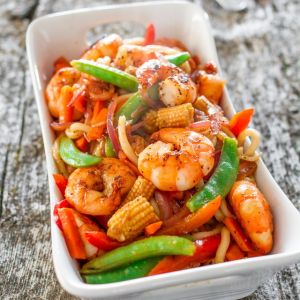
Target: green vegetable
[178, 58]
[126, 81]
[137, 269]
[149, 247]
[223, 178]
[73, 157]
[106, 73]
[132, 104]
[109, 149]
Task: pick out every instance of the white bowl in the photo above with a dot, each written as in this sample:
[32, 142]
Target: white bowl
[65, 34]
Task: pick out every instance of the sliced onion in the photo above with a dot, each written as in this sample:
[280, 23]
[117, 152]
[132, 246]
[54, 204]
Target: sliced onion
[125, 145]
[164, 204]
[60, 126]
[201, 125]
[110, 126]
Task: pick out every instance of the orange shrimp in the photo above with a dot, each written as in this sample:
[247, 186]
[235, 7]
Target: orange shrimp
[178, 161]
[107, 46]
[97, 190]
[175, 87]
[254, 214]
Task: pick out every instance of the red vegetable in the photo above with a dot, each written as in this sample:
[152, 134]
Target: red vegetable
[110, 126]
[60, 204]
[79, 99]
[71, 233]
[238, 234]
[100, 240]
[193, 220]
[65, 111]
[60, 63]
[205, 249]
[241, 120]
[234, 252]
[82, 144]
[61, 182]
[149, 35]
[152, 228]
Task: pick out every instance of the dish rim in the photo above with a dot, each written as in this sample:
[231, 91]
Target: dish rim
[158, 281]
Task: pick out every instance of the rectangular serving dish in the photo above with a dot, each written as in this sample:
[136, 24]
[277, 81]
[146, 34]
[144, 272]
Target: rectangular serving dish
[65, 34]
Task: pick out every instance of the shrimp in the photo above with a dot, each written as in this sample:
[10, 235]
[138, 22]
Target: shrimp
[175, 87]
[254, 214]
[63, 77]
[107, 46]
[95, 89]
[178, 160]
[134, 55]
[97, 190]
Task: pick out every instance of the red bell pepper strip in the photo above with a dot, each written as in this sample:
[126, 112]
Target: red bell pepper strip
[82, 144]
[193, 220]
[61, 182]
[100, 240]
[60, 204]
[205, 249]
[79, 99]
[149, 35]
[234, 252]
[65, 111]
[240, 121]
[71, 233]
[238, 234]
[60, 63]
[152, 228]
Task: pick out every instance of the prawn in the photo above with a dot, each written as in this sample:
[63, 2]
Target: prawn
[97, 190]
[64, 76]
[135, 55]
[175, 87]
[254, 214]
[178, 160]
[107, 46]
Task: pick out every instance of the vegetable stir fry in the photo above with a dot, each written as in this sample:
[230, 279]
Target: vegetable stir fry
[154, 177]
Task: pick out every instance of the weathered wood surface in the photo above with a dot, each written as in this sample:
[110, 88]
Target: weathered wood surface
[259, 52]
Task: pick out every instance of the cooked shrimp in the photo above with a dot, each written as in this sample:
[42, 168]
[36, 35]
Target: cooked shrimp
[253, 212]
[97, 190]
[63, 77]
[96, 90]
[135, 56]
[178, 161]
[107, 46]
[175, 87]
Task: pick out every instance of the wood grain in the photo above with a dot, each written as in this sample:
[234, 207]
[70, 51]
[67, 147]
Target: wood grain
[259, 52]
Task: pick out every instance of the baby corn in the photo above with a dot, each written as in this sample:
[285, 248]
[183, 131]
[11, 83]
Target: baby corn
[149, 121]
[177, 116]
[130, 220]
[142, 187]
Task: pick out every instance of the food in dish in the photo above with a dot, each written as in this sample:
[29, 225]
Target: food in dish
[154, 177]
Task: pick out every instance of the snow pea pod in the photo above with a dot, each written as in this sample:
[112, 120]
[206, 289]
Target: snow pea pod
[106, 73]
[134, 270]
[141, 249]
[73, 157]
[223, 178]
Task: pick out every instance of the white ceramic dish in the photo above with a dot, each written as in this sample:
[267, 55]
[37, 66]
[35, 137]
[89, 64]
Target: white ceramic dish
[65, 34]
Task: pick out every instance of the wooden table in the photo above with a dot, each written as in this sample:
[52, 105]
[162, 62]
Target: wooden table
[259, 51]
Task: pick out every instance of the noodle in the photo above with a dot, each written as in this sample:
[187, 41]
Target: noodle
[219, 215]
[254, 141]
[76, 130]
[204, 234]
[125, 145]
[224, 244]
[225, 209]
[59, 162]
